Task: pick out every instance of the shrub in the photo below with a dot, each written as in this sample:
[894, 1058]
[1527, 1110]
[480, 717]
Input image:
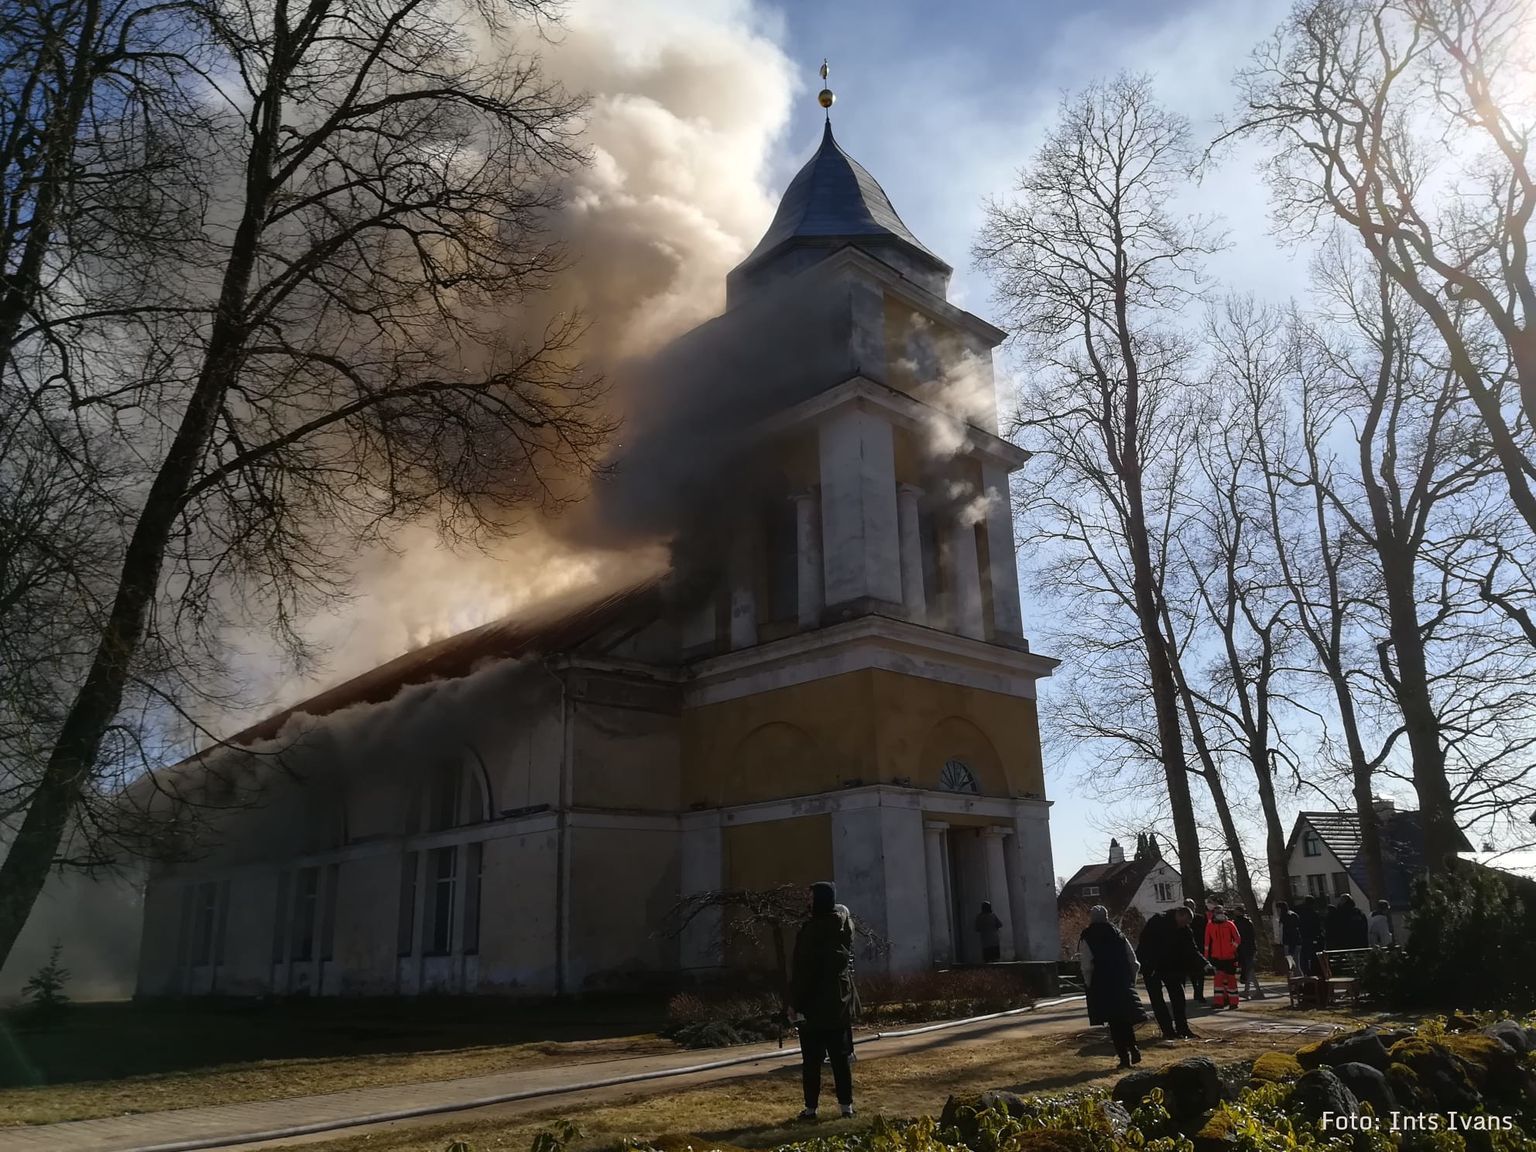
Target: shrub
[44, 991]
[1471, 941]
[960, 992]
[720, 1019]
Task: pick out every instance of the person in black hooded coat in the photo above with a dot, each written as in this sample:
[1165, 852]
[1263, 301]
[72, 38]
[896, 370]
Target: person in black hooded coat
[823, 995]
[1109, 970]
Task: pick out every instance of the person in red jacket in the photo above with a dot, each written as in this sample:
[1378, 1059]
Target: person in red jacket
[1222, 944]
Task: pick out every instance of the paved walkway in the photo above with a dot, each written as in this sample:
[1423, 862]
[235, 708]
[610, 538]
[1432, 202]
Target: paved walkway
[523, 1090]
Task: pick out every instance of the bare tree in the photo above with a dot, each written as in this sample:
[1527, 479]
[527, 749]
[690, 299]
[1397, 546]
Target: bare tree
[1405, 120]
[344, 350]
[1089, 264]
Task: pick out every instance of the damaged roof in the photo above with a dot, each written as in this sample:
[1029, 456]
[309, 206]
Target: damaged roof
[834, 198]
[558, 627]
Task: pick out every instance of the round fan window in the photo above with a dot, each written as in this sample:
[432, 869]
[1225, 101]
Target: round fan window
[956, 777]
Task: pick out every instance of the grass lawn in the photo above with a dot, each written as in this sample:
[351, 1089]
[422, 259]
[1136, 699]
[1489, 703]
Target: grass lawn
[110, 1059]
[755, 1112]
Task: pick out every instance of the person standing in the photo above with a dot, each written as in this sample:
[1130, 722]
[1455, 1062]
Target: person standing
[1223, 943]
[1290, 934]
[987, 927]
[1167, 952]
[1311, 934]
[1197, 923]
[1247, 951]
[1347, 929]
[1379, 934]
[1109, 975]
[823, 995]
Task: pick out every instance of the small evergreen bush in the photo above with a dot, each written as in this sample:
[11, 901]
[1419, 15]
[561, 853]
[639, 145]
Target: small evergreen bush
[44, 990]
[1471, 943]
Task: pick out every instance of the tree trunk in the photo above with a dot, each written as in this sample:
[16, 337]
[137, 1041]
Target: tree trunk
[96, 704]
[1437, 810]
[1274, 832]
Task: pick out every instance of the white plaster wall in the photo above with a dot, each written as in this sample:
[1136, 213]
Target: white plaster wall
[702, 870]
[367, 921]
[517, 913]
[906, 889]
[623, 883]
[158, 974]
[858, 871]
[861, 553]
[624, 757]
[247, 967]
[1037, 933]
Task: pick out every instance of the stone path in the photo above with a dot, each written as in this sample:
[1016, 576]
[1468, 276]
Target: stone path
[523, 1090]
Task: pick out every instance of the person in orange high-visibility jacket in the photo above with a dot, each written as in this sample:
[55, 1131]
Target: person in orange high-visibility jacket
[1222, 943]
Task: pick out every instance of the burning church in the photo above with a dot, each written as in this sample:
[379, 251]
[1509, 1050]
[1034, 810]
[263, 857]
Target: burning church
[833, 683]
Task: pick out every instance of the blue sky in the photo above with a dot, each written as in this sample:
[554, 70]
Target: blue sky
[943, 103]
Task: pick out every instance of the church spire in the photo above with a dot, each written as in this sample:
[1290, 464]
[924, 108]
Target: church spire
[825, 97]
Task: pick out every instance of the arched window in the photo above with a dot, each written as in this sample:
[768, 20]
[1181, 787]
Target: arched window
[455, 796]
[956, 777]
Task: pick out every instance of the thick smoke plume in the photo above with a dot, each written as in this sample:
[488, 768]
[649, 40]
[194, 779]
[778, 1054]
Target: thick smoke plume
[686, 106]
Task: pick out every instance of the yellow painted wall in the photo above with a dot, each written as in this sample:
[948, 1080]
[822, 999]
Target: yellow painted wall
[758, 856]
[873, 726]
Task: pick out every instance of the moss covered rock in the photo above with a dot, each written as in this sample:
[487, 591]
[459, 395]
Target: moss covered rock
[1277, 1067]
[1363, 1046]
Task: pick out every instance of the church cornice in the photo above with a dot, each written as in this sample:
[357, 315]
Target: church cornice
[867, 642]
[904, 410]
[936, 306]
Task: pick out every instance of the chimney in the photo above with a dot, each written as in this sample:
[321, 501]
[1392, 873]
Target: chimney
[1382, 807]
[1116, 853]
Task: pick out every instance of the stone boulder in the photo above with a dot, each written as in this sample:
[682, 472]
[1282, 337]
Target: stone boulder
[1428, 1075]
[1511, 1033]
[1369, 1086]
[1321, 1092]
[1363, 1047]
[1117, 1115]
[1234, 1076]
[1190, 1087]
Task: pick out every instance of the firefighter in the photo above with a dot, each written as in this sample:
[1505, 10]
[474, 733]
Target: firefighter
[1223, 943]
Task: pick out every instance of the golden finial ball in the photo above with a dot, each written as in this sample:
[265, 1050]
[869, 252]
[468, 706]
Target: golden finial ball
[825, 98]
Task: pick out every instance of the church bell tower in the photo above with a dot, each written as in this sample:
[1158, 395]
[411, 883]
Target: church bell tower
[860, 700]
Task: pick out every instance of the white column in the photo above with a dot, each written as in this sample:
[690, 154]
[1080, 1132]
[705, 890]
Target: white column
[1007, 619]
[861, 554]
[913, 595]
[808, 551]
[1037, 929]
[997, 887]
[967, 580]
[939, 918]
[743, 597]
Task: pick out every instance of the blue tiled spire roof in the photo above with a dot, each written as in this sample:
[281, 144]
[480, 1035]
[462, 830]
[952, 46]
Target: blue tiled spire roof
[834, 198]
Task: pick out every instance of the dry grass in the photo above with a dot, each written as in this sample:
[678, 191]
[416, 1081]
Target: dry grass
[752, 1112]
[286, 1079]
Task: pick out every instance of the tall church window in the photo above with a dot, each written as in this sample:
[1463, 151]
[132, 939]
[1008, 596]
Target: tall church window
[442, 879]
[280, 921]
[221, 929]
[205, 911]
[405, 925]
[328, 912]
[473, 866]
[306, 903]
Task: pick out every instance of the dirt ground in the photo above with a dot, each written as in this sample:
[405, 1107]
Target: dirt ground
[756, 1112]
[111, 1059]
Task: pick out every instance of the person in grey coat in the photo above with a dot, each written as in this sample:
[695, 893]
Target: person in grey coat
[824, 997]
[1379, 934]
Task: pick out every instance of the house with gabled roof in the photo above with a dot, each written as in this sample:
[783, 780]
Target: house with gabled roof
[1326, 858]
[1145, 883]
